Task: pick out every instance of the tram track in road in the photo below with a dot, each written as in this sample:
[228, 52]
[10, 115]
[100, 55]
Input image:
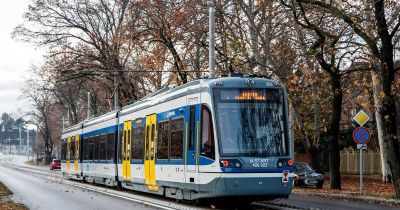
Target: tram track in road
[145, 200]
[278, 206]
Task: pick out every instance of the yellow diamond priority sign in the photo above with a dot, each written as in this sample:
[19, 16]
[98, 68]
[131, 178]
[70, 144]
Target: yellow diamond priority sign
[361, 118]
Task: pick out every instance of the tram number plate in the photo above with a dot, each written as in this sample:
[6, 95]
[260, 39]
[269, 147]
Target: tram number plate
[259, 162]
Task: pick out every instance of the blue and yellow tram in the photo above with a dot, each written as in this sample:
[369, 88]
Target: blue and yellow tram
[225, 137]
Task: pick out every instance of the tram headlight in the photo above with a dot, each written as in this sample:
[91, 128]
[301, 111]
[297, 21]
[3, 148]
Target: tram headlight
[231, 163]
[284, 163]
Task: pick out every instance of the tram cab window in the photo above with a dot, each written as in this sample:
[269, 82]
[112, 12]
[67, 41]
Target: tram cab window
[207, 147]
[256, 122]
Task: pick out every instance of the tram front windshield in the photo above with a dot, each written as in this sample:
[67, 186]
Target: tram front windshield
[251, 122]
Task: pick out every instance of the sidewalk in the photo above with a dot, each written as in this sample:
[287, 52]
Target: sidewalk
[374, 191]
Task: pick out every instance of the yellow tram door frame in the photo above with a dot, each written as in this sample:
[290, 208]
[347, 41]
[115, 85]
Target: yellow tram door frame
[76, 163]
[150, 152]
[68, 155]
[126, 150]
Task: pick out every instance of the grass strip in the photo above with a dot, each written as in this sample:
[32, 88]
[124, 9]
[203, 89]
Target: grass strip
[4, 191]
[5, 202]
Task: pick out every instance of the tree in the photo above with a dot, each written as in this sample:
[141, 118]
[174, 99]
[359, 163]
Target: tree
[333, 48]
[177, 29]
[44, 113]
[91, 37]
[380, 46]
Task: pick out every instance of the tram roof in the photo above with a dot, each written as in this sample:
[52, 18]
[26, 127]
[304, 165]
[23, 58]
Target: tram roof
[162, 94]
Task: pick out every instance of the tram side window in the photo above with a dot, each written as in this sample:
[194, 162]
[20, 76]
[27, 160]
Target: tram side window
[110, 146]
[137, 143]
[64, 151]
[68, 149]
[86, 149]
[163, 140]
[72, 151]
[103, 147]
[87, 154]
[90, 148]
[120, 138]
[177, 138]
[207, 147]
[192, 122]
[96, 144]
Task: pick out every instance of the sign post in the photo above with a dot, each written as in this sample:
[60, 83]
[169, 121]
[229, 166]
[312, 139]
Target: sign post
[361, 136]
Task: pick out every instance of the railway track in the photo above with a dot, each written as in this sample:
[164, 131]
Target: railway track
[278, 206]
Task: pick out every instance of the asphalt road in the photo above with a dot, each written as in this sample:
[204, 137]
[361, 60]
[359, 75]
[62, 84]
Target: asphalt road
[37, 194]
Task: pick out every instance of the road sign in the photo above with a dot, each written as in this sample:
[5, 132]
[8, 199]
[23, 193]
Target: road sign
[361, 135]
[362, 146]
[361, 118]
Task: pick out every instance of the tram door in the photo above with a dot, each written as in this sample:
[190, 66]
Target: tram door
[68, 155]
[76, 163]
[150, 153]
[126, 150]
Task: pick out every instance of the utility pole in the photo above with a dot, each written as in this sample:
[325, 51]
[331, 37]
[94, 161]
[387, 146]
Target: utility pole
[63, 122]
[27, 143]
[211, 47]
[20, 143]
[9, 143]
[88, 105]
[116, 94]
[37, 147]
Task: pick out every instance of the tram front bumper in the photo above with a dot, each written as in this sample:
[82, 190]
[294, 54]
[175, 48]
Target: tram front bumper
[253, 186]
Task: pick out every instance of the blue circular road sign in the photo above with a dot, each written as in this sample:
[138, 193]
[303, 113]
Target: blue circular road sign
[361, 135]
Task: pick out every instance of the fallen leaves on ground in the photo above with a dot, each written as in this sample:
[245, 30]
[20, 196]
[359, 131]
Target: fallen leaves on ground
[5, 202]
[9, 205]
[351, 185]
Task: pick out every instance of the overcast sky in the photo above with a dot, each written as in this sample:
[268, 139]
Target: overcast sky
[15, 57]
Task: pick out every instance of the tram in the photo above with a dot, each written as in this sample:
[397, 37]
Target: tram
[210, 138]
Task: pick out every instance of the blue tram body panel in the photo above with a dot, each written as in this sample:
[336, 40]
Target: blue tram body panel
[221, 114]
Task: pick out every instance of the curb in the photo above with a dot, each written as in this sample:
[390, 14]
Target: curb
[376, 200]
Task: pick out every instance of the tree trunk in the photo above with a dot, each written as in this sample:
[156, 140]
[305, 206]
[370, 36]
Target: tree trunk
[291, 128]
[312, 151]
[315, 158]
[333, 133]
[388, 119]
[386, 177]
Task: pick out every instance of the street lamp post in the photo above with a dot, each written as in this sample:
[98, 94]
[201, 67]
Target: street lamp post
[211, 47]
